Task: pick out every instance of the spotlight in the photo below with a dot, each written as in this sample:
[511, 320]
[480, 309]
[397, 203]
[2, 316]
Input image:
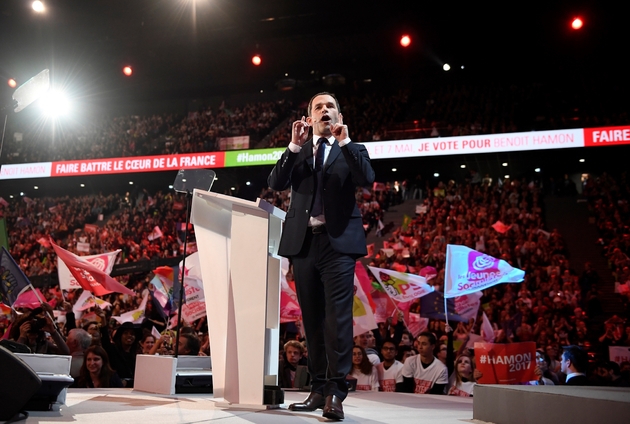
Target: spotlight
[55, 103]
[405, 41]
[256, 60]
[446, 67]
[127, 71]
[394, 169]
[504, 164]
[577, 23]
[462, 166]
[12, 83]
[38, 6]
[437, 174]
[537, 170]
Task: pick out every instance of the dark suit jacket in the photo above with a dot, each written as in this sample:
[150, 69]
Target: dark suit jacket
[345, 169]
[578, 380]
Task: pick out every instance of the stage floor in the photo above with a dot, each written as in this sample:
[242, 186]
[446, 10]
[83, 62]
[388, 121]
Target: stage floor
[126, 406]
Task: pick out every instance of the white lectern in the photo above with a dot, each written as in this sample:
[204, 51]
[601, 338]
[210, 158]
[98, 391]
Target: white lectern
[238, 244]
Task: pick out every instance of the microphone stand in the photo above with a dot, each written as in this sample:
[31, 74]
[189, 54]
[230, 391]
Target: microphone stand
[182, 272]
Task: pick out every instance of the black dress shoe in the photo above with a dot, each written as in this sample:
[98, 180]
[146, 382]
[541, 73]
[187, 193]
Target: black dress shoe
[311, 403]
[333, 409]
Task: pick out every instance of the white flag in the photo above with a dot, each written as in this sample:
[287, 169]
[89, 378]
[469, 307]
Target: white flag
[104, 261]
[137, 315]
[400, 286]
[469, 271]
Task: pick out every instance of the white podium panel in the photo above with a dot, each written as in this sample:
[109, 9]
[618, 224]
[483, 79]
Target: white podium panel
[237, 241]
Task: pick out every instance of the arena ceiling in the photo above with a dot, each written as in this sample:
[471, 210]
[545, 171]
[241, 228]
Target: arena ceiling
[182, 48]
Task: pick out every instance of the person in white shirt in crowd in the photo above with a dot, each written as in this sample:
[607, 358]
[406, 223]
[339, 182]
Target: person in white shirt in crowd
[424, 373]
[462, 381]
[390, 370]
[363, 340]
[363, 370]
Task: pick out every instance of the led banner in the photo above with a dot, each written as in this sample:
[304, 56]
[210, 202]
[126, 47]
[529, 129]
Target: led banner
[607, 136]
[471, 144]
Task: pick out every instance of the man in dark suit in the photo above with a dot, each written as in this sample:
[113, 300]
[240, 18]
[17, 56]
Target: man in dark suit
[323, 236]
[574, 363]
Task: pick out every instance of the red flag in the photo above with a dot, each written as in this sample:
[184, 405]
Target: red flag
[370, 250]
[43, 241]
[88, 276]
[90, 228]
[501, 227]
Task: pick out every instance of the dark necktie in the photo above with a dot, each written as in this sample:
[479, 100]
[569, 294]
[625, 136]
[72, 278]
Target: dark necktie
[318, 204]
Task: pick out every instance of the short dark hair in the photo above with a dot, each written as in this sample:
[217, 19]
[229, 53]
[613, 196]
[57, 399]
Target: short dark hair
[577, 356]
[390, 342]
[323, 93]
[193, 344]
[428, 335]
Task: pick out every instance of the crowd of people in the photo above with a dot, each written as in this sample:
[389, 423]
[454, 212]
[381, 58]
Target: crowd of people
[553, 307]
[142, 226]
[162, 134]
[426, 111]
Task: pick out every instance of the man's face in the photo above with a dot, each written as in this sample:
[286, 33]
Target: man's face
[182, 349]
[71, 342]
[371, 340]
[388, 351]
[293, 355]
[362, 340]
[564, 365]
[323, 115]
[424, 347]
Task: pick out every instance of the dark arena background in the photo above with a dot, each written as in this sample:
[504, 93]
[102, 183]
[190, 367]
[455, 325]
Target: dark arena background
[472, 113]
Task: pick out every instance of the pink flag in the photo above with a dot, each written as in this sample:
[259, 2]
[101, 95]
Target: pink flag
[501, 227]
[155, 234]
[289, 307]
[88, 276]
[43, 241]
[428, 272]
[415, 323]
[469, 271]
[467, 306]
[29, 300]
[487, 332]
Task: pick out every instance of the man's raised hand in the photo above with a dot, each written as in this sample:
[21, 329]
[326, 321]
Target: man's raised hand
[339, 130]
[299, 133]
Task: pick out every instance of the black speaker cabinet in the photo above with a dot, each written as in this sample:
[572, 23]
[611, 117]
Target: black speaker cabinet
[18, 383]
